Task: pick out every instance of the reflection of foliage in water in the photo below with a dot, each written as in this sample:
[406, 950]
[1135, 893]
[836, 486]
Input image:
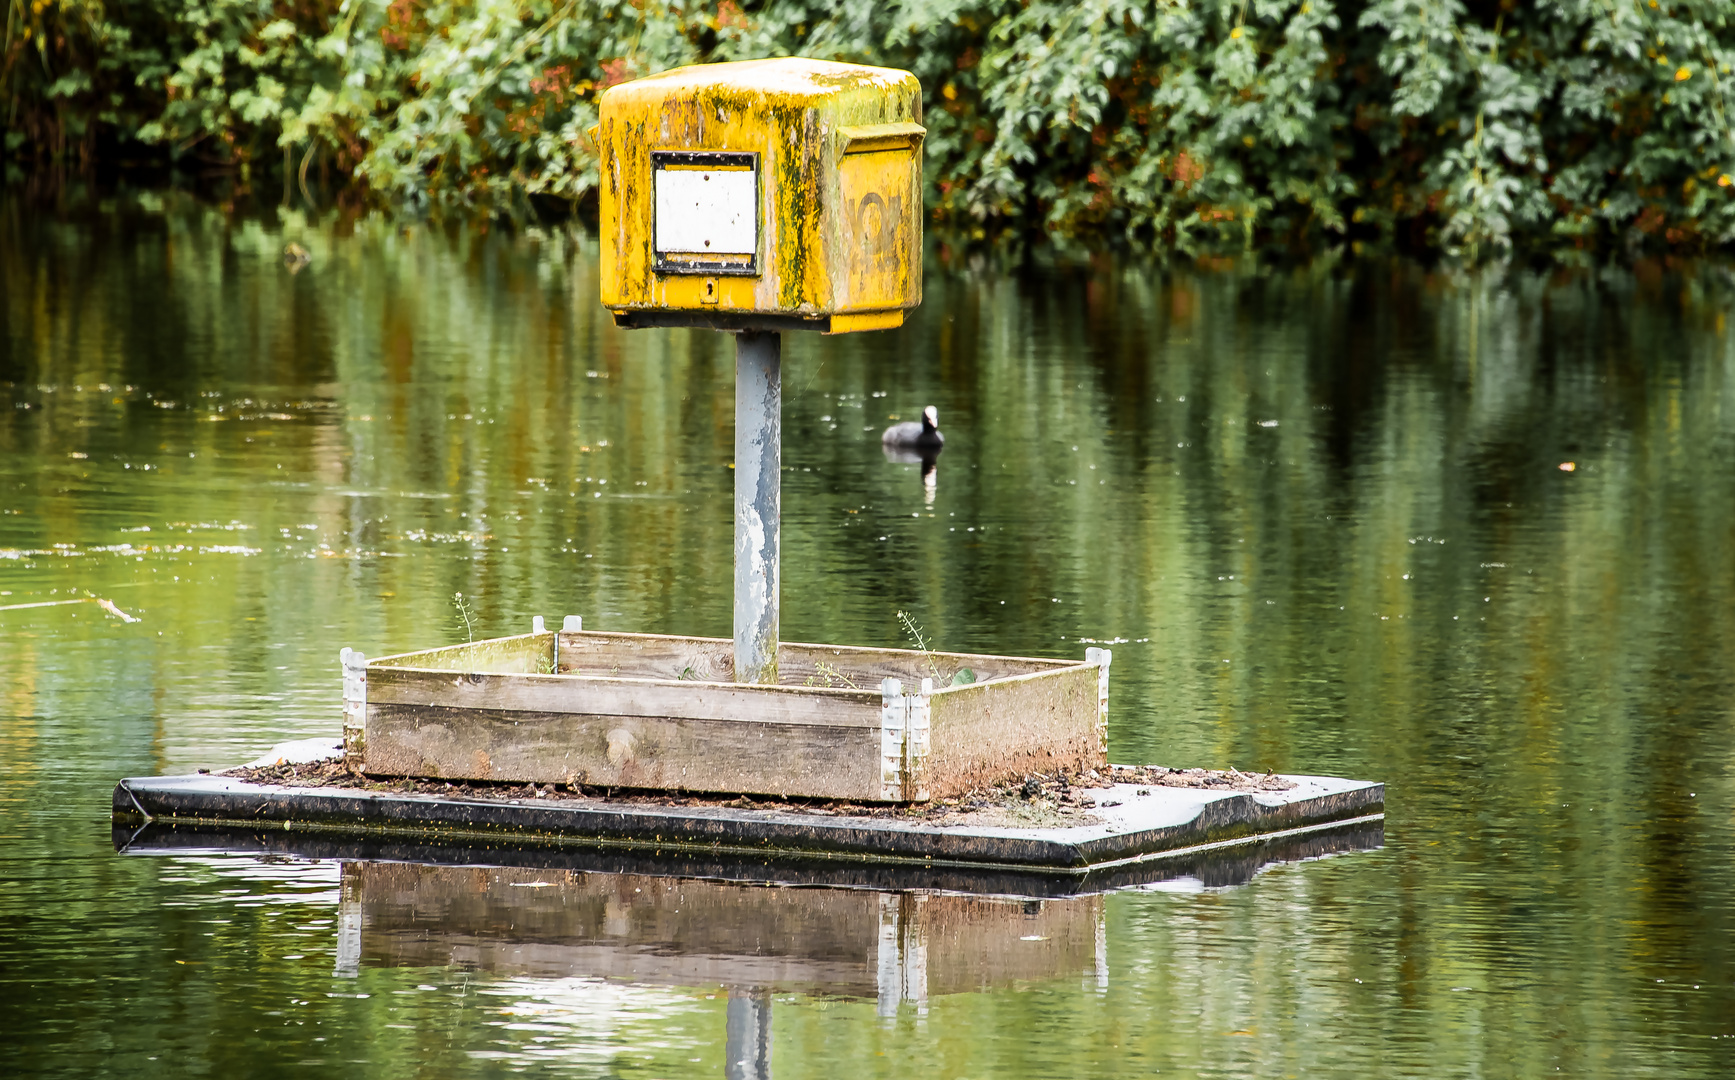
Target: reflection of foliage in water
[1322, 504]
[1218, 122]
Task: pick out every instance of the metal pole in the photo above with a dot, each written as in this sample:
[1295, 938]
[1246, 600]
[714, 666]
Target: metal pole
[758, 514]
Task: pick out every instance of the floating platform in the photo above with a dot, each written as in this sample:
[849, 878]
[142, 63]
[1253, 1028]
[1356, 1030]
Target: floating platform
[1133, 829]
[653, 711]
[1210, 866]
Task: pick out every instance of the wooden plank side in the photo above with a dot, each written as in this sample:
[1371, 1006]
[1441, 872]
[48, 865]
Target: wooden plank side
[519, 654]
[1023, 664]
[998, 731]
[625, 697]
[799, 662]
[659, 752]
[662, 656]
[647, 656]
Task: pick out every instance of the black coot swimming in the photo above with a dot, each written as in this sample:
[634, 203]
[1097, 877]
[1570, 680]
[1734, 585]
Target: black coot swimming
[923, 437]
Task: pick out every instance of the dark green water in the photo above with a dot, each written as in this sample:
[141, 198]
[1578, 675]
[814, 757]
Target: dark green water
[1320, 513]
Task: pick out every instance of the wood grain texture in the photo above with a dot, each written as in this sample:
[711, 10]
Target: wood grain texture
[519, 654]
[993, 732]
[661, 656]
[611, 750]
[659, 711]
[648, 656]
[797, 662]
[626, 697]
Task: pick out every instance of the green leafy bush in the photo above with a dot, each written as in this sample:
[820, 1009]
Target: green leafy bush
[1462, 125]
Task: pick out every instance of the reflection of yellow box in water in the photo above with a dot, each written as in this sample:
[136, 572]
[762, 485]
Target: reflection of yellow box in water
[768, 194]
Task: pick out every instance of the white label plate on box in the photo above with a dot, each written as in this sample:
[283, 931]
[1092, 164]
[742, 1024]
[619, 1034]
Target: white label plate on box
[706, 208]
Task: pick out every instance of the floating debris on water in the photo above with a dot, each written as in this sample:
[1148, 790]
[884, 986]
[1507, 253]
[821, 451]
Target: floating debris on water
[106, 605]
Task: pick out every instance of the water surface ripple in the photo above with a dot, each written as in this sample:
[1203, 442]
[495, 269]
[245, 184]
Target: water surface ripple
[1467, 534]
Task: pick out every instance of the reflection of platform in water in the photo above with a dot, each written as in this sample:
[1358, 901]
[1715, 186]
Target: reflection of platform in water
[899, 934]
[685, 932]
[1216, 867]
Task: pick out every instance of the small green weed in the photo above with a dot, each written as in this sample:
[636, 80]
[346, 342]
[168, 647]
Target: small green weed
[465, 615]
[829, 674]
[913, 630]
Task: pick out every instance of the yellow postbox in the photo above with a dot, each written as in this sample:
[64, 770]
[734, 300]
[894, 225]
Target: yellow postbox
[763, 195]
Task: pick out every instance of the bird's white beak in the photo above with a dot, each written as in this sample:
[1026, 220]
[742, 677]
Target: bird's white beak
[933, 416]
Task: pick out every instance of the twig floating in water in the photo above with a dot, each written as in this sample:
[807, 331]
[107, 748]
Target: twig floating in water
[106, 605]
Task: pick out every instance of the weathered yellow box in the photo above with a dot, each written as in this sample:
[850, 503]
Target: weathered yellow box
[767, 194]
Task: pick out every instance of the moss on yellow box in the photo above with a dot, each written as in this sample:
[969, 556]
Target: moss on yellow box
[766, 194]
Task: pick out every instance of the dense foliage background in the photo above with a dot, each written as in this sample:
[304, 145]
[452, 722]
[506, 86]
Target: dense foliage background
[1464, 125]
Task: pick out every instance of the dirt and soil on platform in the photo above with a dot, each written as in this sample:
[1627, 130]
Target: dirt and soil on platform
[1054, 800]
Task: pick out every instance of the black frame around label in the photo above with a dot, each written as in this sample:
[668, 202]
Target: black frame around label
[692, 263]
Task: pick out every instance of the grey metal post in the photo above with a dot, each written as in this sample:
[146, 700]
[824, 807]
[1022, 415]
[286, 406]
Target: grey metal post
[758, 513]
